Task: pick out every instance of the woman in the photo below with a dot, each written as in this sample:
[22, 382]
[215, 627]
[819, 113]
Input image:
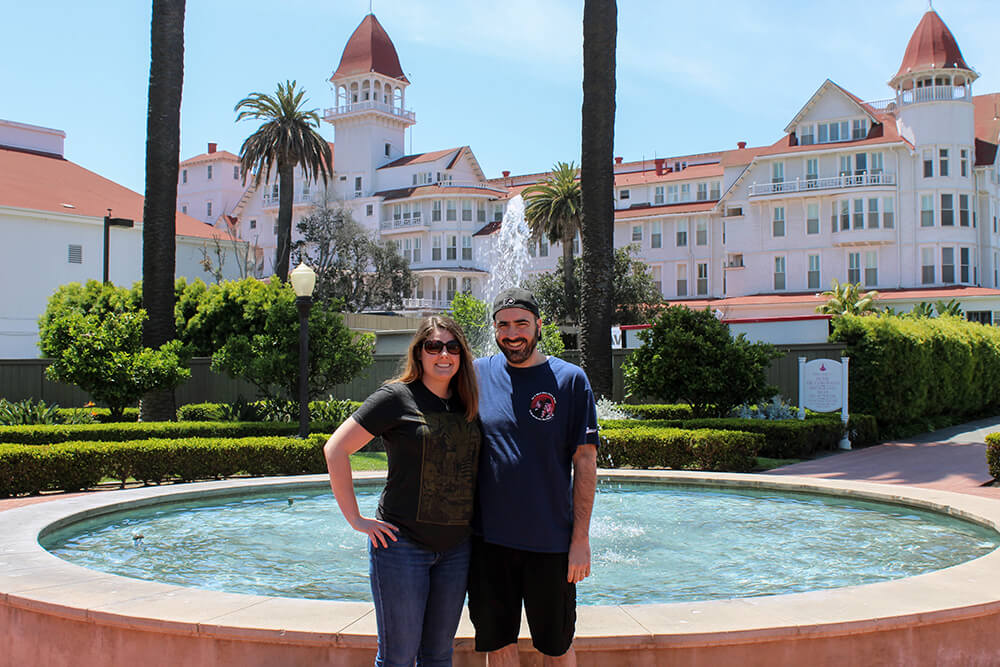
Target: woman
[418, 542]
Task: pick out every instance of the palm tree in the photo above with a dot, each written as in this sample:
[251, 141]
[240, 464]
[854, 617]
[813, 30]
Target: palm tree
[163, 122]
[847, 299]
[600, 33]
[287, 139]
[552, 210]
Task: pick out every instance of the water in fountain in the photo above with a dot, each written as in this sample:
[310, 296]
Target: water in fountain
[508, 260]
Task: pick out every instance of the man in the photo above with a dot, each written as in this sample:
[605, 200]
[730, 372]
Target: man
[532, 542]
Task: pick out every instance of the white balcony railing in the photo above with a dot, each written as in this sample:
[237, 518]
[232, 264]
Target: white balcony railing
[833, 182]
[300, 198]
[934, 94]
[402, 223]
[427, 304]
[370, 105]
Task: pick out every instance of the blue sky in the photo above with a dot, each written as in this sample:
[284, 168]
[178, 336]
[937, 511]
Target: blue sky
[503, 78]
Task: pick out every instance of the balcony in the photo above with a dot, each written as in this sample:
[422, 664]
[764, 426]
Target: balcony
[403, 224]
[439, 305]
[370, 105]
[272, 200]
[844, 181]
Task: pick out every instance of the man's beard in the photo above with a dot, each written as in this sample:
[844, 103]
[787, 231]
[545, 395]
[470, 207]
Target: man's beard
[521, 355]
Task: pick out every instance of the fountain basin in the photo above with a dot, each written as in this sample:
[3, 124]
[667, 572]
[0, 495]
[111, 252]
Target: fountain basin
[56, 613]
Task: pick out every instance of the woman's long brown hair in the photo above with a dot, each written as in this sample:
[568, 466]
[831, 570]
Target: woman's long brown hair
[464, 381]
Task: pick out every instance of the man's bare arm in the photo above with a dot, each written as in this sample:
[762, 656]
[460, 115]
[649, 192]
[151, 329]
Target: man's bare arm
[584, 487]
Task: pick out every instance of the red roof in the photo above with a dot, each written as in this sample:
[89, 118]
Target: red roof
[668, 209]
[919, 294]
[209, 157]
[418, 158]
[43, 182]
[932, 46]
[370, 50]
[436, 190]
[650, 176]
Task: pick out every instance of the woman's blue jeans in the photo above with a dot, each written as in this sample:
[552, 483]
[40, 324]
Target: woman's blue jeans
[418, 600]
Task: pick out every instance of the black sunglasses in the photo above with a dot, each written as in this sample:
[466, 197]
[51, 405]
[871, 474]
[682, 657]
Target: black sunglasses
[435, 346]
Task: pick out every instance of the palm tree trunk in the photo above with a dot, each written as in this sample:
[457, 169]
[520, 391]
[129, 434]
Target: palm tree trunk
[286, 193]
[600, 30]
[569, 279]
[163, 122]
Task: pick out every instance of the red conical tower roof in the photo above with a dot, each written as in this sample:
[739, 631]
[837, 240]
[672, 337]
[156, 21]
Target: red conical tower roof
[370, 50]
[932, 46]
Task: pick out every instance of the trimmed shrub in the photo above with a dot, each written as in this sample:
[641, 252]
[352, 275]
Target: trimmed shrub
[993, 454]
[675, 448]
[121, 432]
[201, 412]
[99, 415]
[659, 410]
[784, 438]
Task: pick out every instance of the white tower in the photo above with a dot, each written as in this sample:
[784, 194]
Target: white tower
[371, 116]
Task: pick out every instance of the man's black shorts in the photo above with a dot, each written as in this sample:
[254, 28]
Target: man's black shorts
[501, 579]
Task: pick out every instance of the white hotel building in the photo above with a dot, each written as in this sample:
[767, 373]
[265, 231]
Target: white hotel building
[899, 194]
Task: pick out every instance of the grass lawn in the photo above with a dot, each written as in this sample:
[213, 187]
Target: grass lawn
[764, 463]
[368, 461]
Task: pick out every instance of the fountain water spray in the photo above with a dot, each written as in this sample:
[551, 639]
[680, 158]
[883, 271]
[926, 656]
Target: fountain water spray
[508, 259]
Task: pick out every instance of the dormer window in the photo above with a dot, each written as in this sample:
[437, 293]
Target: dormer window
[807, 134]
[624, 194]
[859, 128]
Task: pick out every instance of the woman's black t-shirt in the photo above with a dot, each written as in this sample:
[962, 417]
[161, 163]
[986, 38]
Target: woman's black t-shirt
[433, 455]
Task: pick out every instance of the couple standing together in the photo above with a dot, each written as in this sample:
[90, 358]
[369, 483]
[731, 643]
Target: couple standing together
[492, 472]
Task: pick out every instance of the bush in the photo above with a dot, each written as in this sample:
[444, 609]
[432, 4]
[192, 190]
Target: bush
[659, 410]
[80, 465]
[201, 412]
[690, 356]
[993, 454]
[704, 449]
[47, 435]
[782, 439]
[27, 412]
[90, 415]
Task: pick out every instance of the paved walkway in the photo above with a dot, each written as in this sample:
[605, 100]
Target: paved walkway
[952, 459]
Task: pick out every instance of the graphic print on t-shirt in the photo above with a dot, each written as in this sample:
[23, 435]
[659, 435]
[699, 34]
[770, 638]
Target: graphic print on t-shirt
[447, 469]
[543, 406]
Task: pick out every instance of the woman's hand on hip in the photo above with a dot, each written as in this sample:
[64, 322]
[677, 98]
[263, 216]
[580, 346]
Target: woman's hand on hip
[377, 531]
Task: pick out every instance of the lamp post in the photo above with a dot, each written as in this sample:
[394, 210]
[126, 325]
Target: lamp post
[110, 222]
[303, 281]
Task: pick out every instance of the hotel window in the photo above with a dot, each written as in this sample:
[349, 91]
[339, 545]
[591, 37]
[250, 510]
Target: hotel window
[497, 212]
[637, 232]
[701, 232]
[655, 273]
[387, 148]
[416, 250]
[714, 189]
[481, 211]
[778, 172]
[531, 248]
[274, 191]
[656, 235]
[305, 189]
[873, 213]
[887, 216]
[875, 163]
[466, 210]
[779, 273]
[859, 214]
[778, 221]
[451, 213]
[466, 248]
[871, 268]
[963, 265]
[841, 211]
[702, 284]
[74, 254]
[436, 249]
[926, 210]
[543, 247]
[947, 211]
[357, 186]
[624, 194]
[859, 128]
[812, 169]
[253, 224]
[397, 213]
[452, 248]
[813, 276]
[682, 233]
[947, 265]
[274, 229]
[812, 219]
[436, 211]
[928, 164]
[685, 192]
[451, 288]
[854, 267]
[236, 172]
[702, 192]
[369, 210]
[927, 266]
[682, 283]
[860, 163]
[807, 134]
[672, 194]
[658, 194]
[943, 162]
[963, 210]
[963, 162]
[209, 172]
[408, 250]
[845, 165]
[184, 209]
[184, 176]
[466, 285]
[208, 209]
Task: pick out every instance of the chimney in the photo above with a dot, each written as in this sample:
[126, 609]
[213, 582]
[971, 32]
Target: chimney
[212, 147]
[660, 171]
[741, 144]
[618, 160]
[506, 173]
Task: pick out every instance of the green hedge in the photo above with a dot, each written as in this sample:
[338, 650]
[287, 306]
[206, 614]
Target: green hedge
[100, 415]
[658, 410]
[704, 449]
[121, 432]
[906, 370]
[993, 454]
[73, 466]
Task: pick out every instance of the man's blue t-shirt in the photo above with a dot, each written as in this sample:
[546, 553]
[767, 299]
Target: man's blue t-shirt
[533, 420]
